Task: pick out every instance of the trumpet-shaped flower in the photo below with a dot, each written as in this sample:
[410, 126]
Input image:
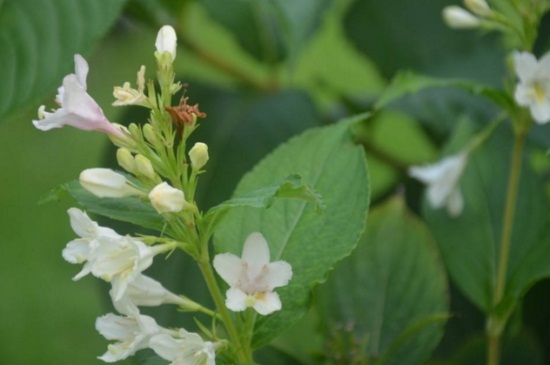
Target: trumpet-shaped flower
[186, 349]
[77, 108]
[132, 333]
[144, 291]
[252, 278]
[105, 183]
[443, 182]
[533, 89]
[78, 250]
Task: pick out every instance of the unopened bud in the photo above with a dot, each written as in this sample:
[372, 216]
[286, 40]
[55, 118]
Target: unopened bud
[105, 183]
[149, 134]
[134, 129]
[167, 199]
[459, 18]
[478, 7]
[198, 156]
[126, 160]
[166, 42]
[144, 167]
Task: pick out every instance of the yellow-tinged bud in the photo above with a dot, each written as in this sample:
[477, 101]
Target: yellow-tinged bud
[126, 160]
[167, 199]
[149, 134]
[144, 167]
[134, 129]
[198, 156]
[459, 18]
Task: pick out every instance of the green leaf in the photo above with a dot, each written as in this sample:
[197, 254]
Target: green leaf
[392, 292]
[38, 40]
[56, 194]
[409, 82]
[129, 209]
[329, 161]
[470, 243]
[290, 188]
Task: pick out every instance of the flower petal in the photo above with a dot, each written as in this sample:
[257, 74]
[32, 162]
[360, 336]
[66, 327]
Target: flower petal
[268, 303]
[81, 69]
[278, 274]
[256, 250]
[541, 111]
[455, 203]
[76, 251]
[525, 65]
[236, 299]
[229, 267]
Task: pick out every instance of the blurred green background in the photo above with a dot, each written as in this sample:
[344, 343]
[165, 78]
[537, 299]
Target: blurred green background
[261, 73]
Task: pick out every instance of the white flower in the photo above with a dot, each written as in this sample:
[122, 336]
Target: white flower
[443, 182]
[105, 183]
[143, 291]
[198, 156]
[166, 199]
[166, 41]
[252, 278]
[459, 18]
[187, 349]
[77, 108]
[533, 89]
[77, 251]
[132, 333]
[126, 95]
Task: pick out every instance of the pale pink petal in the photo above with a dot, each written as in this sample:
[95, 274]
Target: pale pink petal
[81, 69]
[525, 65]
[256, 250]
[278, 274]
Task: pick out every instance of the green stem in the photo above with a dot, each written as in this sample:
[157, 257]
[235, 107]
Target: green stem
[243, 354]
[506, 240]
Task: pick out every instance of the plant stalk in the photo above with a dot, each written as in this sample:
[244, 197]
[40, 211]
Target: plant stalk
[493, 351]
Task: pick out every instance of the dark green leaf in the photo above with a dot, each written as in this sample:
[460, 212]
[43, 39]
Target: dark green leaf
[38, 40]
[391, 293]
[329, 161]
[129, 209]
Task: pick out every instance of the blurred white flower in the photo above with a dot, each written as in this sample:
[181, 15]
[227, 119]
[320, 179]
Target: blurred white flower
[166, 41]
[185, 349]
[105, 183]
[457, 17]
[533, 89]
[443, 179]
[252, 278]
[166, 199]
[77, 108]
[132, 333]
[478, 7]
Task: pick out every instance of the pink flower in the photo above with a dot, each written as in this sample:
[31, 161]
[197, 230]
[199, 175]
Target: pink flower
[77, 108]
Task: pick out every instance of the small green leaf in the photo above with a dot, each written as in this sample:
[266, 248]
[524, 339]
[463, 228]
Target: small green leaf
[408, 82]
[129, 209]
[331, 163]
[291, 188]
[56, 194]
[391, 292]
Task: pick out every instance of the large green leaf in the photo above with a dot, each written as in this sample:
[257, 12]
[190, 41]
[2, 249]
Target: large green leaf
[470, 243]
[38, 40]
[392, 290]
[312, 242]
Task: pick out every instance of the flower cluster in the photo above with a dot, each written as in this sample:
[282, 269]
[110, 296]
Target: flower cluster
[160, 175]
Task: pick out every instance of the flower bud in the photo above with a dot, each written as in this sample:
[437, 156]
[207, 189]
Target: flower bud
[166, 41]
[144, 167]
[166, 199]
[149, 134]
[198, 155]
[125, 160]
[478, 7]
[105, 183]
[456, 17]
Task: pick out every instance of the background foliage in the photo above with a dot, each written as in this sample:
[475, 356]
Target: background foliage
[264, 72]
